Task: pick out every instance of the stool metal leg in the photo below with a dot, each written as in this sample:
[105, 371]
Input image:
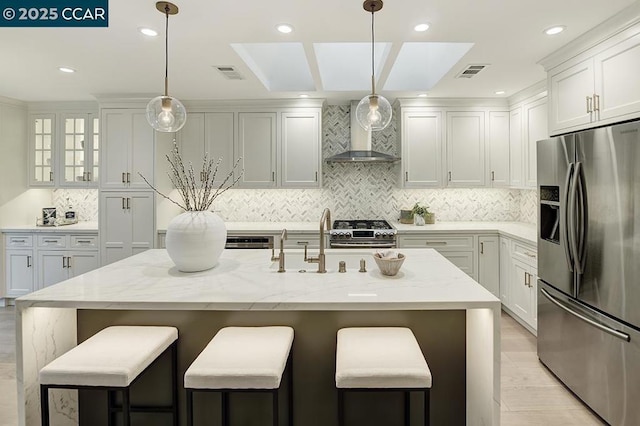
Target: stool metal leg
[274, 395]
[126, 407]
[189, 407]
[427, 408]
[407, 408]
[340, 407]
[44, 405]
[174, 382]
[225, 408]
[290, 389]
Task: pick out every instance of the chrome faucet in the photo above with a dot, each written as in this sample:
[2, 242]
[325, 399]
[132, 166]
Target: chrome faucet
[325, 222]
[280, 257]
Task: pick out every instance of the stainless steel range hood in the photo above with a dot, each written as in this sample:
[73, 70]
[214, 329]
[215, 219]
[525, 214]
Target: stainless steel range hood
[361, 145]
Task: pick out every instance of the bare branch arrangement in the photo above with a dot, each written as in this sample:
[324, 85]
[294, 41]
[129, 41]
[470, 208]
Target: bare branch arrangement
[196, 196]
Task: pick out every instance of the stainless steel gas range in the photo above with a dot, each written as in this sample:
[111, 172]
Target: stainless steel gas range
[362, 234]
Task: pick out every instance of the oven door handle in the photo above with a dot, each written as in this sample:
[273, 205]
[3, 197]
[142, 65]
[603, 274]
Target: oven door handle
[365, 245]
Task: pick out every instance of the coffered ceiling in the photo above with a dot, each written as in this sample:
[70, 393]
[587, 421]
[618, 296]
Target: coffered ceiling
[314, 59]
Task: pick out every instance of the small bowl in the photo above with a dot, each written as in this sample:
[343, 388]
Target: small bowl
[389, 267]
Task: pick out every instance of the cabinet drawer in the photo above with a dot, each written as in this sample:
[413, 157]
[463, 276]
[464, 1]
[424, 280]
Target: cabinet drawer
[299, 241]
[14, 241]
[440, 243]
[84, 241]
[52, 241]
[463, 260]
[525, 253]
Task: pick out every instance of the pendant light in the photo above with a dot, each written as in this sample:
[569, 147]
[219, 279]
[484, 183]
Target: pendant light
[166, 113]
[374, 111]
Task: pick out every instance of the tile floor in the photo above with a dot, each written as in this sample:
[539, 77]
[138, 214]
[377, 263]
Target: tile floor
[530, 394]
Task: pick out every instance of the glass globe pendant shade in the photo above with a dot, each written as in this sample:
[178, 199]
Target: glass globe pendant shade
[166, 114]
[374, 112]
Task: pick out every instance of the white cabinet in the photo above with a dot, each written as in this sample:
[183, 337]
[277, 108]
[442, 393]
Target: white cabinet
[498, 149]
[459, 249]
[209, 133]
[601, 89]
[257, 147]
[127, 142]
[535, 129]
[79, 153]
[127, 224]
[300, 150]
[505, 270]
[518, 293]
[19, 275]
[42, 128]
[56, 266]
[516, 162]
[421, 139]
[466, 148]
[489, 263]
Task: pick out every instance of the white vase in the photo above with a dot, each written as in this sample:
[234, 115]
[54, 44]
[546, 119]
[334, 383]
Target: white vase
[195, 240]
[418, 220]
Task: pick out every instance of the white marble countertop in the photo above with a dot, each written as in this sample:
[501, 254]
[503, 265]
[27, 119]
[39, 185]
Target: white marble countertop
[80, 227]
[248, 280]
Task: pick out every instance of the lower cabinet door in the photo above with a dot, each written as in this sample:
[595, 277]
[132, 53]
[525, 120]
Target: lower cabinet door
[19, 272]
[81, 262]
[463, 260]
[521, 299]
[52, 267]
[489, 264]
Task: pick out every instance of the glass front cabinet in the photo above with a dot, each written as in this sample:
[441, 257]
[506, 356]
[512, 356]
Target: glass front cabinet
[64, 150]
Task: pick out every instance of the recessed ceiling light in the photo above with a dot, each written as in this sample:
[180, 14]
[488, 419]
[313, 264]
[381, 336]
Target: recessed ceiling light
[148, 31]
[555, 30]
[67, 69]
[422, 95]
[303, 95]
[500, 92]
[421, 27]
[284, 28]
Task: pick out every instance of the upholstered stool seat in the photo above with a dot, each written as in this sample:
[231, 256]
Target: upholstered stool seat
[242, 358]
[111, 360]
[381, 358]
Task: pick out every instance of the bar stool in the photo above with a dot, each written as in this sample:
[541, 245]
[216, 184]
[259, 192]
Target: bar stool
[243, 359]
[381, 359]
[112, 360]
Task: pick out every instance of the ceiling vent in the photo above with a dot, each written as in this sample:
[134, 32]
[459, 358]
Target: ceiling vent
[229, 72]
[471, 71]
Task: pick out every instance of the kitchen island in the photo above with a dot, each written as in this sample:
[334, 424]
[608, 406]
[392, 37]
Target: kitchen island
[456, 322]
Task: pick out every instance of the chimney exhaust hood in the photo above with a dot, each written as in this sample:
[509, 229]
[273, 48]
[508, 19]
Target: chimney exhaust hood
[360, 150]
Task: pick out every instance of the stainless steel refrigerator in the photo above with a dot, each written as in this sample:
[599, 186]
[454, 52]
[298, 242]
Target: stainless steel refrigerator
[589, 267]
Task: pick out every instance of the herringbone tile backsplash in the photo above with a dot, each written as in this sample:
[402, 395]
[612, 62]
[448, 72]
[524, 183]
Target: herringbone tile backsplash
[350, 190]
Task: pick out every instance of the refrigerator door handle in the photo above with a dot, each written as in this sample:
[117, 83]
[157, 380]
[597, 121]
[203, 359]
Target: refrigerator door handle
[566, 245]
[582, 220]
[620, 335]
[571, 212]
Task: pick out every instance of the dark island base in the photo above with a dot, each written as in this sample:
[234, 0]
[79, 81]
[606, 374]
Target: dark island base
[441, 335]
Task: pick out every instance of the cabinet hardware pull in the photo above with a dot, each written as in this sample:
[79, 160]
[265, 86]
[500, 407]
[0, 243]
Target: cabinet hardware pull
[50, 176]
[589, 109]
[530, 254]
[89, 176]
[406, 176]
[493, 176]
[526, 275]
[449, 176]
[64, 263]
[300, 243]
[28, 261]
[316, 176]
[123, 204]
[68, 262]
[128, 177]
[481, 248]
[18, 241]
[273, 176]
[128, 203]
[596, 102]
[84, 242]
[436, 243]
[123, 177]
[50, 241]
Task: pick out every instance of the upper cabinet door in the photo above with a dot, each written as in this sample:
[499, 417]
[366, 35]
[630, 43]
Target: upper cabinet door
[257, 147]
[78, 150]
[300, 149]
[498, 147]
[422, 149]
[516, 162]
[535, 114]
[142, 150]
[191, 141]
[571, 96]
[465, 148]
[219, 136]
[617, 83]
[42, 129]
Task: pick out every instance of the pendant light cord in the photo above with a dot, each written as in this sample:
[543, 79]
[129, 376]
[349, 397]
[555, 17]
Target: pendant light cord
[373, 50]
[166, 51]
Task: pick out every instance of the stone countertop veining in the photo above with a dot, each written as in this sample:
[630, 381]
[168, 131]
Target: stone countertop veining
[80, 227]
[248, 280]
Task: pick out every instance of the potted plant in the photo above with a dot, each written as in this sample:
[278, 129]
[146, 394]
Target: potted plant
[196, 238]
[421, 215]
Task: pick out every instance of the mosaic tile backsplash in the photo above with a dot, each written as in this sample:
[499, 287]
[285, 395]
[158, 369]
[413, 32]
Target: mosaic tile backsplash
[350, 190]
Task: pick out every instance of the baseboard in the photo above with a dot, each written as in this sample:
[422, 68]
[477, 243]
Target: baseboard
[520, 320]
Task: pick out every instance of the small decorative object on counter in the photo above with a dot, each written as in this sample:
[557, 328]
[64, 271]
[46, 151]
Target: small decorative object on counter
[406, 216]
[196, 238]
[389, 261]
[420, 214]
[49, 216]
